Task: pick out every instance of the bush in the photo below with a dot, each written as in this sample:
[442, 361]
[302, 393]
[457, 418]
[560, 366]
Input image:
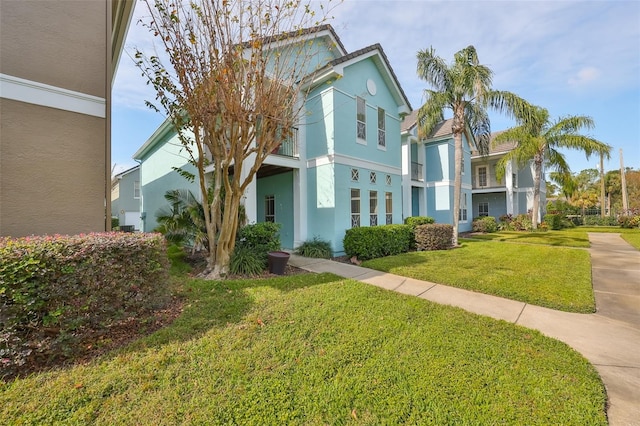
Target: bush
[56, 291]
[553, 221]
[245, 261]
[629, 221]
[315, 248]
[254, 240]
[600, 221]
[485, 224]
[434, 237]
[115, 223]
[377, 241]
[522, 222]
[414, 221]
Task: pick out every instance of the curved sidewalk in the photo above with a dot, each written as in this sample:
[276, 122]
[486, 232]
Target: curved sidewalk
[609, 339]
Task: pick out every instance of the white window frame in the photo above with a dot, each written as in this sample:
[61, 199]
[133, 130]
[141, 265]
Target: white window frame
[486, 176]
[355, 213]
[355, 175]
[136, 189]
[373, 178]
[388, 207]
[481, 211]
[463, 213]
[270, 208]
[361, 120]
[382, 140]
[373, 208]
[388, 179]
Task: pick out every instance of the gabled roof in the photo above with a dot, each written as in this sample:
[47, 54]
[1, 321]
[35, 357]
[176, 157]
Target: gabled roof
[302, 34]
[498, 149]
[126, 172]
[381, 61]
[443, 128]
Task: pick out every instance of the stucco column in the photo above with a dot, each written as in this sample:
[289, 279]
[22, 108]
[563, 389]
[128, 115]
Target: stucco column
[508, 180]
[406, 179]
[249, 198]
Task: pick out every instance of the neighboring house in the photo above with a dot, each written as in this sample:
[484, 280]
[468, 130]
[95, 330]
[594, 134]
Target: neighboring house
[341, 169]
[125, 198]
[428, 173]
[513, 194]
[57, 63]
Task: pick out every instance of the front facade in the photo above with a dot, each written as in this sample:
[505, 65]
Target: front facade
[342, 168]
[125, 198]
[428, 173]
[56, 69]
[510, 195]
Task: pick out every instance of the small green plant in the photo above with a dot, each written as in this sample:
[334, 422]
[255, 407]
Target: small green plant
[629, 221]
[553, 221]
[245, 261]
[315, 248]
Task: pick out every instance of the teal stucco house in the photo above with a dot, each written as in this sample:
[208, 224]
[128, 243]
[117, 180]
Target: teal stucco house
[343, 166]
[428, 173]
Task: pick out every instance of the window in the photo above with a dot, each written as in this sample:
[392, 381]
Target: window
[361, 118]
[270, 208]
[381, 133]
[373, 208]
[355, 208]
[388, 204]
[483, 209]
[136, 189]
[373, 177]
[462, 215]
[462, 166]
[355, 175]
[388, 180]
[514, 180]
[482, 176]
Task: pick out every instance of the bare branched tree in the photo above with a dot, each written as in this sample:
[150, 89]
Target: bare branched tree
[232, 90]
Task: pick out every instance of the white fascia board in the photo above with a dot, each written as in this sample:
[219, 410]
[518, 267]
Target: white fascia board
[33, 92]
[353, 162]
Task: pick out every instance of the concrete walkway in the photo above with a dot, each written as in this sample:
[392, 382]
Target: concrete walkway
[609, 339]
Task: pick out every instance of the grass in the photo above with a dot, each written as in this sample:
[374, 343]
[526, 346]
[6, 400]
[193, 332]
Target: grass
[316, 349]
[554, 277]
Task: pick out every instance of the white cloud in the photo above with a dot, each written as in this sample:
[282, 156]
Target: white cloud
[584, 76]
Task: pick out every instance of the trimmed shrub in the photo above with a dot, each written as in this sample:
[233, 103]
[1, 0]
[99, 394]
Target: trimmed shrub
[377, 241]
[600, 221]
[486, 224]
[553, 221]
[56, 291]
[315, 248]
[629, 221]
[414, 221]
[434, 237]
[522, 222]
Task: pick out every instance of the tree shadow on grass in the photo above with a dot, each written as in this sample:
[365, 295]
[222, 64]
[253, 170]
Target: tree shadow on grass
[210, 304]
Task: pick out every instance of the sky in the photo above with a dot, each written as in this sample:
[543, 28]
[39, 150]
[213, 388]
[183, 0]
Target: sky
[570, 57]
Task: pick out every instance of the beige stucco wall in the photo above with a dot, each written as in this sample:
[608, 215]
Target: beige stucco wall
[51, 164]
[54, 164]
[60, 43]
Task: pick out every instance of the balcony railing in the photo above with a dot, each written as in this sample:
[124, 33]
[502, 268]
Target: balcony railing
[416, 171]
[289, 147]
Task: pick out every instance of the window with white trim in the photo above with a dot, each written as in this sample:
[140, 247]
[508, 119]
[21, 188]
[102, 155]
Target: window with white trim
[361, 118]
[514, 180]
[388, 180]
[355, 208]
[269, 208]
[355, 175]
[462, 215]
[136, 189]
[373, 177]
[483, 209]
[388, 206]
[482, 176]
[373, 208]
[382, 142]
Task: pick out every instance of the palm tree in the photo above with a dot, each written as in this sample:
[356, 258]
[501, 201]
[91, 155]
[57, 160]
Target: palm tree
[539, 140]
[182, 222]
[464, 87]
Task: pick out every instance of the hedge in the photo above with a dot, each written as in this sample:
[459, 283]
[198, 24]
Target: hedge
[486, 224]
[434, 237]
[377, 241]
[57, 290]
[554, 221]
[414, 221]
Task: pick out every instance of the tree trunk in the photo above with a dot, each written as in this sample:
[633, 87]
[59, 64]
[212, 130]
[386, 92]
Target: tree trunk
[457, 185]
[537, 161]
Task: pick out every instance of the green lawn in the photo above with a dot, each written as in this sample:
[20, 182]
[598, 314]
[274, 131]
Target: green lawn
[317, 349]
[554, 277]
